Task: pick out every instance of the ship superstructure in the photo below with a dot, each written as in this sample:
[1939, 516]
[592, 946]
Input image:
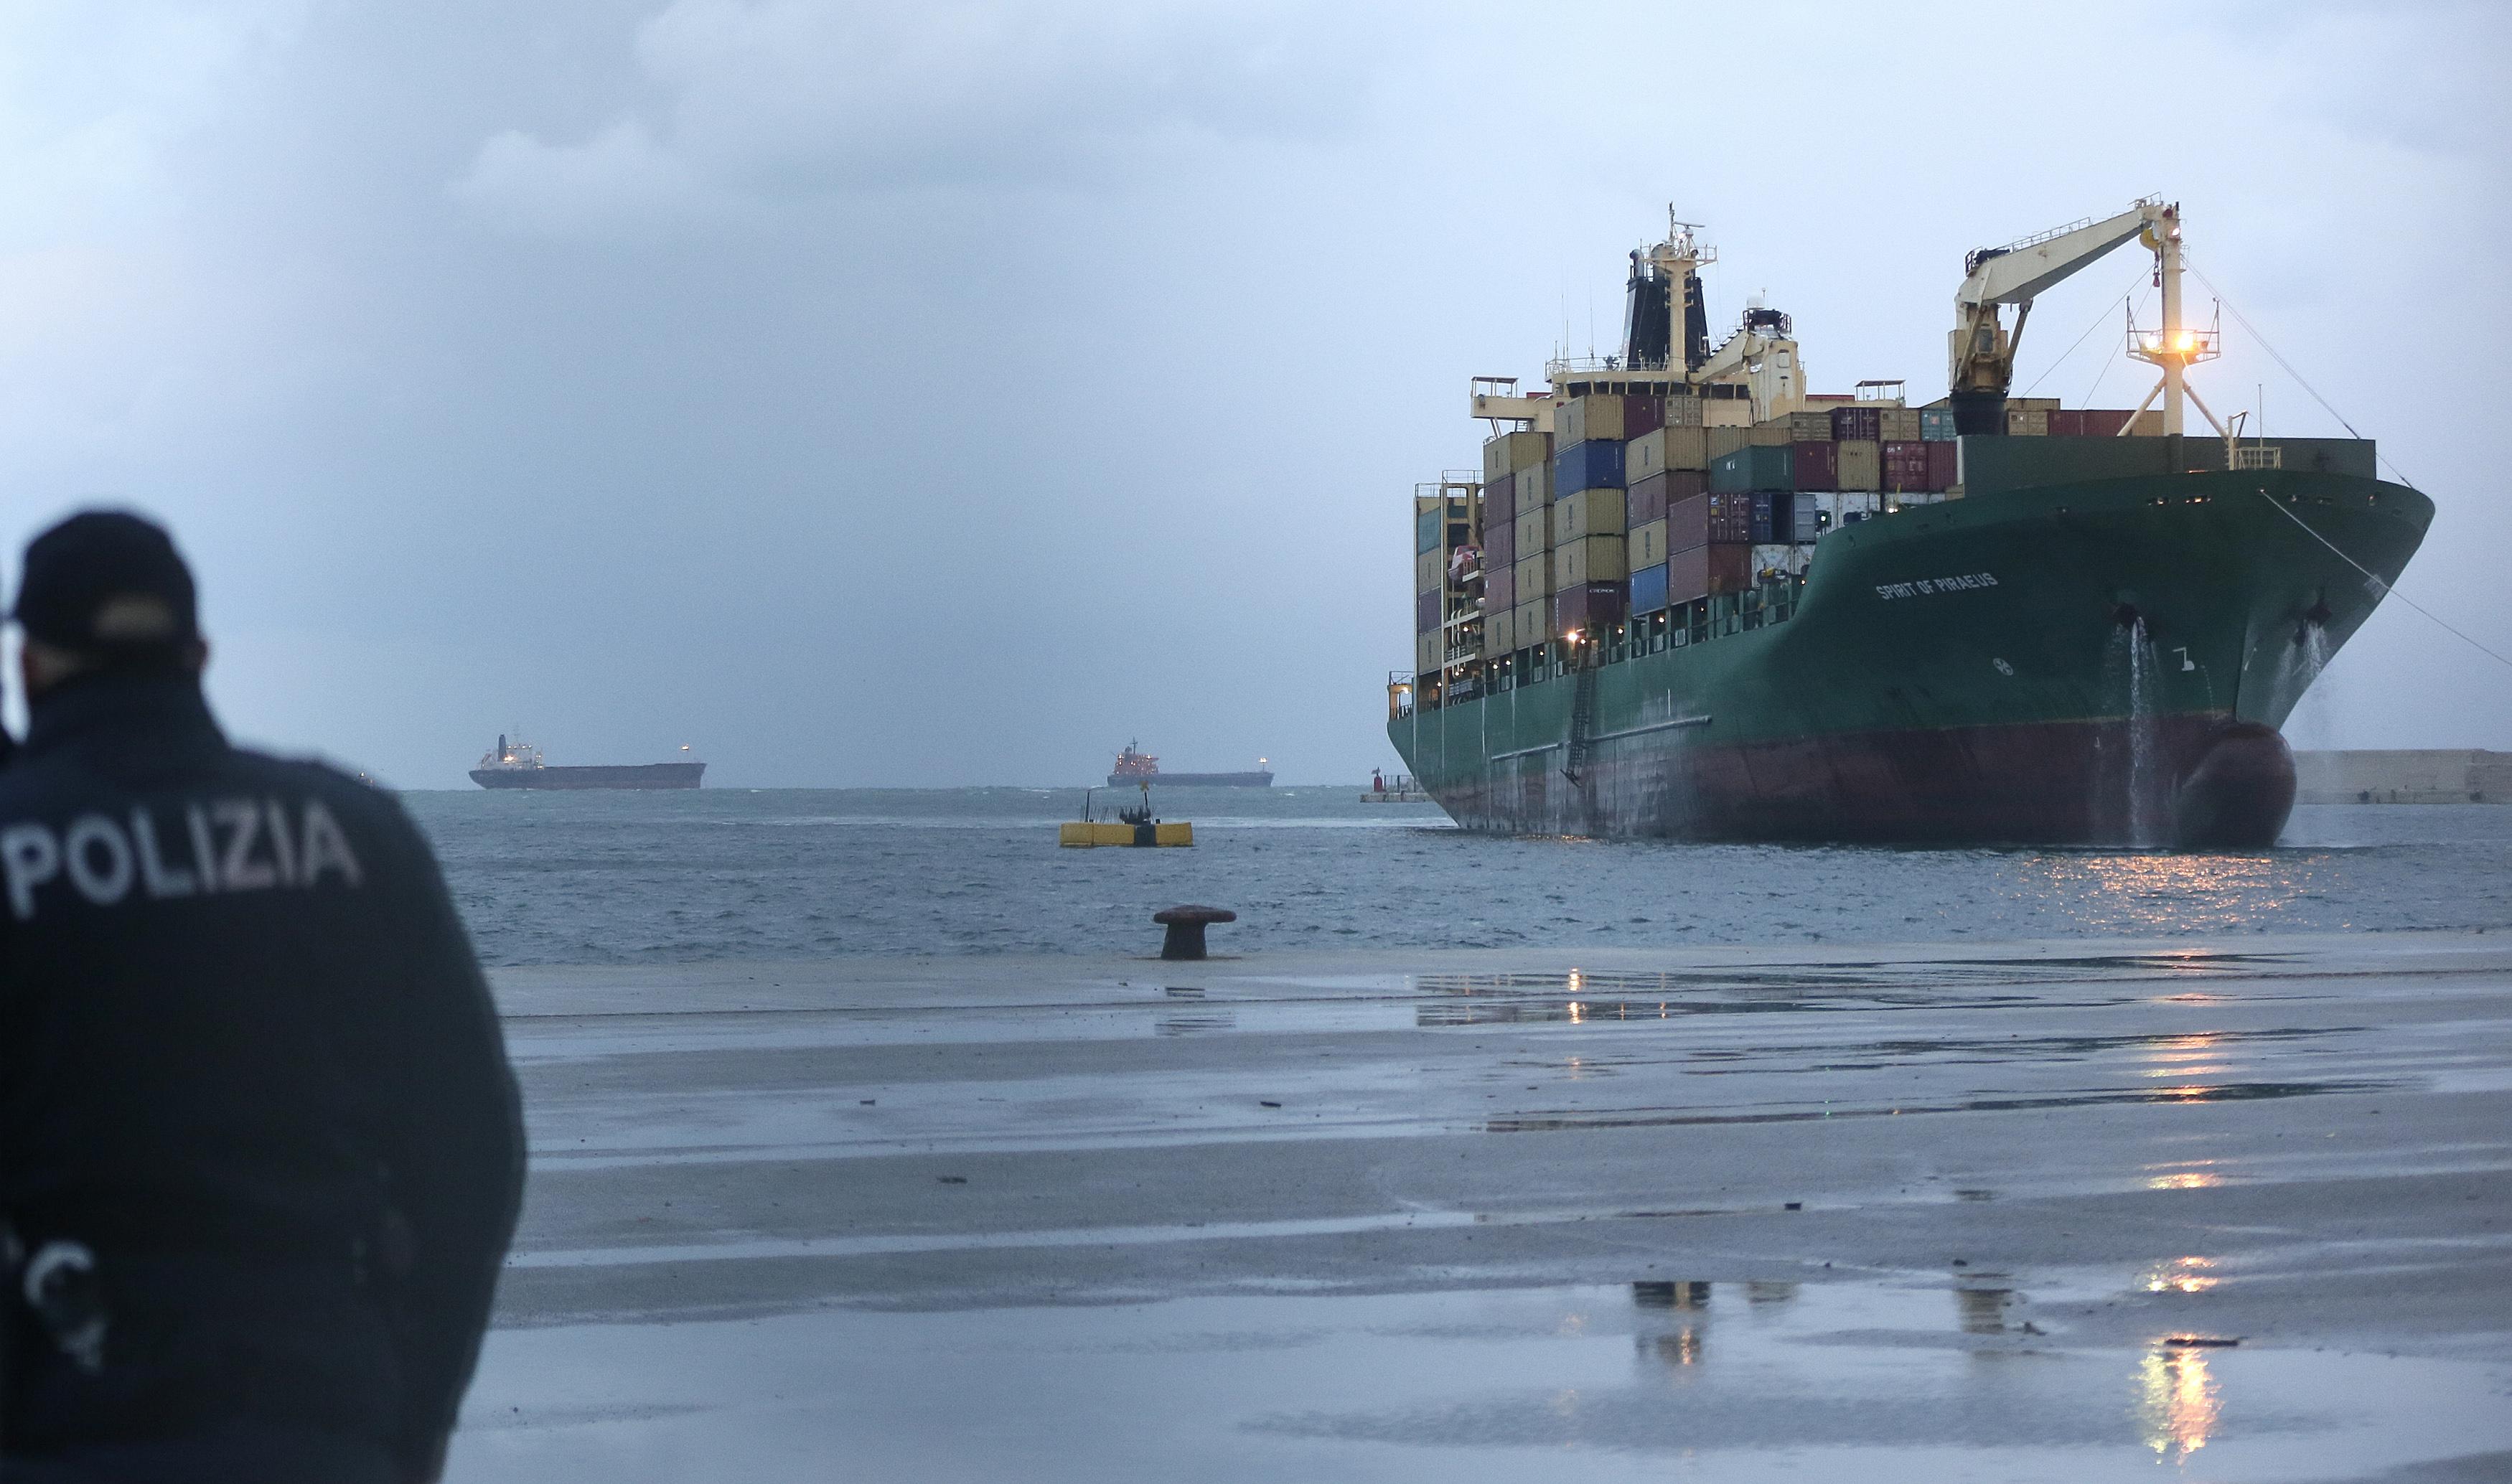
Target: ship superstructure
[1686, 595]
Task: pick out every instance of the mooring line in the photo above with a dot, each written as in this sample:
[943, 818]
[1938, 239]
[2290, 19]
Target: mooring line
[2379, 582]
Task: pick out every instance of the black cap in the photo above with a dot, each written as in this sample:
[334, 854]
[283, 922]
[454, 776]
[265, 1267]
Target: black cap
[109, 583]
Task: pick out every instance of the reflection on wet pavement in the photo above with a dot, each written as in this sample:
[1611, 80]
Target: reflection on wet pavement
[1872, 1381]
[1996, 1216]
[2178, 1400]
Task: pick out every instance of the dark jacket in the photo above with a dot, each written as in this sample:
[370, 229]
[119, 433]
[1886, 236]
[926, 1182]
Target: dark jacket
[247, 1055]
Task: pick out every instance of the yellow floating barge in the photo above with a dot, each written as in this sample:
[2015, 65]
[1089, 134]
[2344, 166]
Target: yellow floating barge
[1083, 835]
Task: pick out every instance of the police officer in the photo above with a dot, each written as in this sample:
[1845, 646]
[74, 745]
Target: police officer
[259, 1146]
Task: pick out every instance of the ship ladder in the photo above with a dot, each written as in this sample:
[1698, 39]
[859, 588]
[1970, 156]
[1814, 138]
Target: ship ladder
[1582, 727]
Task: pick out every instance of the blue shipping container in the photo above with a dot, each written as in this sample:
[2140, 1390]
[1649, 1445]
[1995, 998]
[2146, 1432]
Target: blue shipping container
[1937, 425]
[1648, 589]
[1596, 464]
[1753, 467]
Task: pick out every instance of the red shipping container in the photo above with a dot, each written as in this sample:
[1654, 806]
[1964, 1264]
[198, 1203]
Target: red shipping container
[1500, 545]
[1643, 416]
[1687, 524]
[1589, 606]
[1426, 611]
[2067, 423]
[1848, 422]
[1648, 499]
[1818, 463]
[1905, 467]
[1500, 586]
[1731, 517]
[2104, 422]
[1943, 465]
[1723, 567]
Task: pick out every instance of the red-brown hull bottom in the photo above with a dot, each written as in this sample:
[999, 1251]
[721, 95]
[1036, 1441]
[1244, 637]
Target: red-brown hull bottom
[2192, 782]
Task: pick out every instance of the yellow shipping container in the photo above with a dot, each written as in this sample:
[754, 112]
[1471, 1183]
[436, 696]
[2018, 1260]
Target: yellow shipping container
[1534, 485]
[1429, 652]
[1583, 418]
[1773, 434]
[1430, 570]
[1664, 449]
[1648, 544]
[1590, 559]
[1808, 427]
[1497, 630]
[1589, 512]
[1533, 530]
[1859, 463]
[1717, 440]
[1531, 624]
[1901, 424]
[1534, 576]
[1511, 451]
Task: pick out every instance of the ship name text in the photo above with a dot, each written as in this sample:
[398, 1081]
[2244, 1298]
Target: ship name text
[1926, 586]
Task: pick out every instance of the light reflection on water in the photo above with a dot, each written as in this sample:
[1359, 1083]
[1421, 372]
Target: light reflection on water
[2160, 892]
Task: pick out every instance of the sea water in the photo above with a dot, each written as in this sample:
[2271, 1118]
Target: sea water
[739, 873]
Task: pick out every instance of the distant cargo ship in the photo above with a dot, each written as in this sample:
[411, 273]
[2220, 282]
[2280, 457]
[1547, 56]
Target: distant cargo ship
[1134, 766]
[518, 765]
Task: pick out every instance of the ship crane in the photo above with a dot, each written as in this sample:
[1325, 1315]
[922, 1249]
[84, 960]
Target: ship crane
[1982, 347]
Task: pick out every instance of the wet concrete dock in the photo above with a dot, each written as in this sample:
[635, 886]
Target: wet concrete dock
[2000, 1212]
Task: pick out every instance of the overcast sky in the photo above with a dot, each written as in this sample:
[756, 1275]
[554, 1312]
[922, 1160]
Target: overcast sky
[945, 394]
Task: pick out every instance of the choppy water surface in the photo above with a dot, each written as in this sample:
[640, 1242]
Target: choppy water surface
[799, 874]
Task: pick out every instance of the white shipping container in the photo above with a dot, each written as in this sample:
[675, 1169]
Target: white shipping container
[1780, 561]
[1589, 512]
[1590, 559]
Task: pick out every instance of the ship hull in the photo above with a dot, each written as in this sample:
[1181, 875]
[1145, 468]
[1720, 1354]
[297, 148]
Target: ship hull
[1195, 780]
[648, 775]
[2099, 664]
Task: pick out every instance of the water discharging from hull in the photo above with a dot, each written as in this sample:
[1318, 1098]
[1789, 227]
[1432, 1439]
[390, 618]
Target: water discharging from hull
[2144, 762]
[2305, 661]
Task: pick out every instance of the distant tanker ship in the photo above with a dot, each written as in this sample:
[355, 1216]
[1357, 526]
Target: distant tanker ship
[1134, 766]
[518, 765]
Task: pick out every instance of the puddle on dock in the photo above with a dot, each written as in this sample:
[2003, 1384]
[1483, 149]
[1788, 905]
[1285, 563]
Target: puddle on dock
[1874, 1380]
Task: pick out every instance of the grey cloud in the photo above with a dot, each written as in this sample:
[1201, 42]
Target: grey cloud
[771, 100]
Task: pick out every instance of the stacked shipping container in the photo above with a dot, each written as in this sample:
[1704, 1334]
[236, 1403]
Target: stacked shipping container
[1633, 505]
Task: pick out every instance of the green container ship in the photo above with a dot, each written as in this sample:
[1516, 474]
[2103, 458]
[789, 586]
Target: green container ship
[2081, 638]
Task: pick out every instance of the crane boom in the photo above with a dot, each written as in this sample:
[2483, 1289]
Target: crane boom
[1981, 350]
